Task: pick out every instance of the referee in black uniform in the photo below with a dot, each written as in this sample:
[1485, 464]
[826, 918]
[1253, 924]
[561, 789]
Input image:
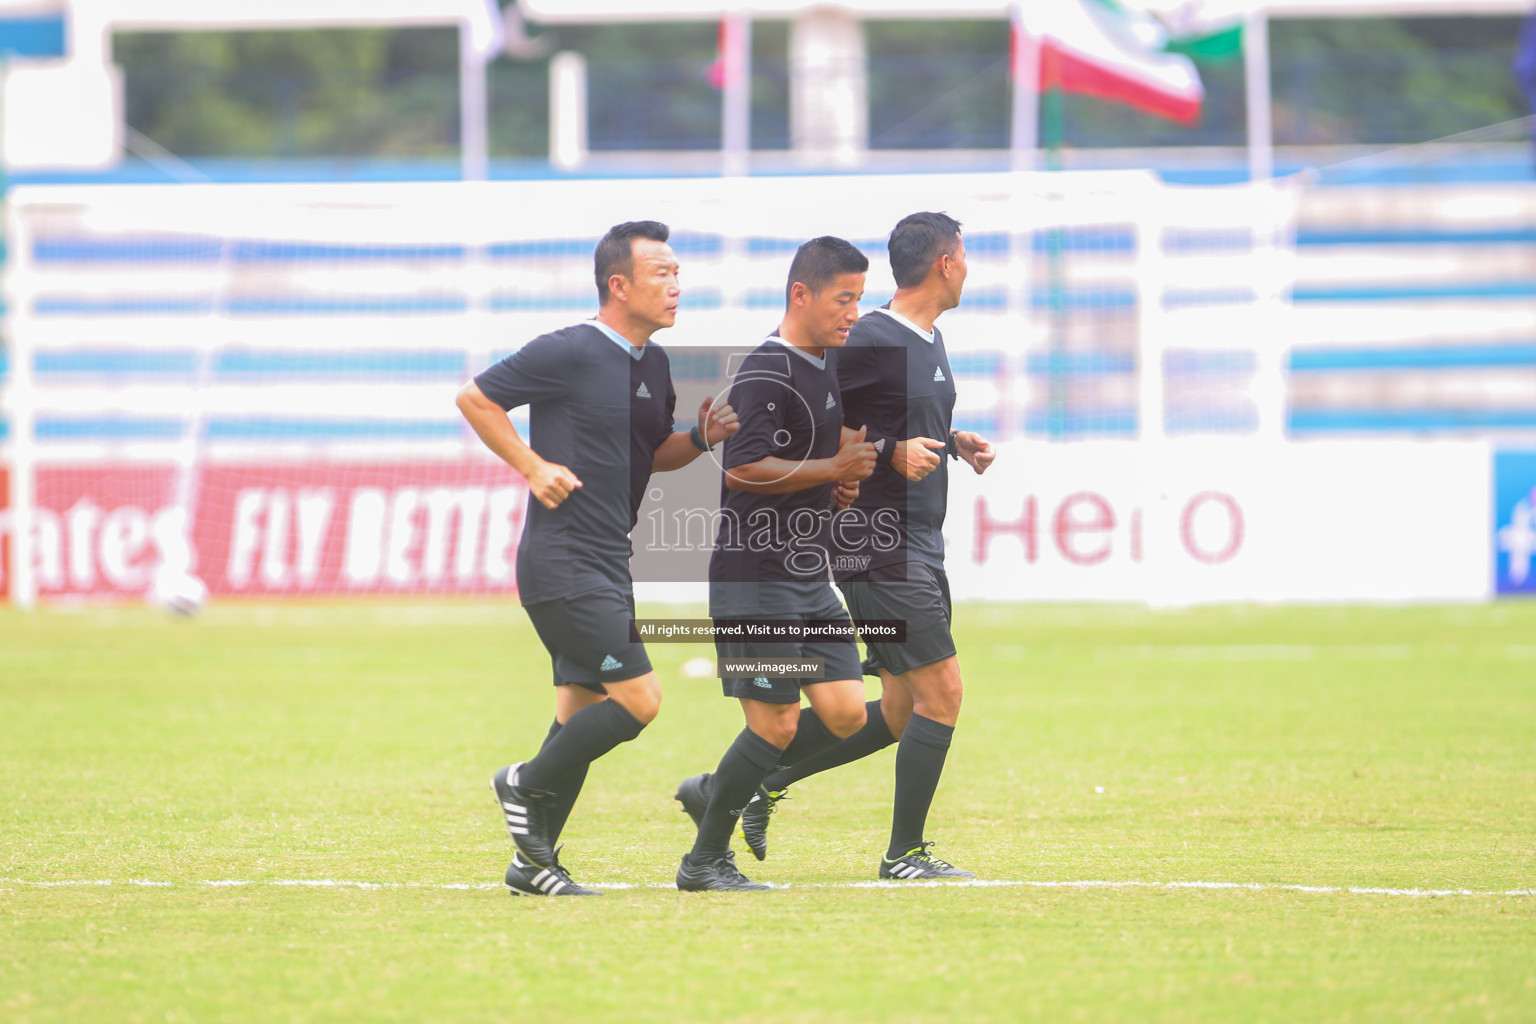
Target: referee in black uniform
[600, 404]
[896, 380]
[770, 558]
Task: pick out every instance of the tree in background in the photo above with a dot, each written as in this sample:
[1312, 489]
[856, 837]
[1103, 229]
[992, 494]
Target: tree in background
[393, 93]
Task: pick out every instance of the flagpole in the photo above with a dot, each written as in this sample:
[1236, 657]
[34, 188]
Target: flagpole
[1023, 140]
[736, 93]
[1024, 133]
[474, 128]
[1052, 125]
[1261, 154]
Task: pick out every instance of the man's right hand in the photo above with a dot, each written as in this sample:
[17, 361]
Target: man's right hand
[855, 460]
[914, 457]
[551, 483]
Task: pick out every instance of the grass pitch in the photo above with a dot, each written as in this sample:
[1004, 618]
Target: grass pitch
[1301, 753]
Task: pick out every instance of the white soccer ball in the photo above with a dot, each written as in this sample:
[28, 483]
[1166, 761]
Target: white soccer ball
[181, 592]
[698, 668]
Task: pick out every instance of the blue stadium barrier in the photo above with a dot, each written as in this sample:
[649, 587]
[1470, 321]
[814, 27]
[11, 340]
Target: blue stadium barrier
[1172, 166]
[1337, 421]
[976, 364]
[289, 305]
[1195, 361]
[1084, 364]
[1413, 236]
[114, 363]
[572, 301]
[107, 428]
[36, 36]
[984, 424]
[1437, 357]
[1078, 423]
[543, 248]
[71, 305]
[236, 364]
[1390, 293]
[1111, 238]
[245, 429]
[275, 429]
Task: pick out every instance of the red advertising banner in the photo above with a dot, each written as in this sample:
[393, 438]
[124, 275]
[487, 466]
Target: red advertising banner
[306, 529]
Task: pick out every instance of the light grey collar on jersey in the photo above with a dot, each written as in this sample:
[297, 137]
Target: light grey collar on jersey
[819, 363]
[618, 339]
[925, 335]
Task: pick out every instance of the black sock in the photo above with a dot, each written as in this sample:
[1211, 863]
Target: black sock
[874, 735]
[749, 758]
[586, 736]
[811, 737]
[919, 763]
[566, 790]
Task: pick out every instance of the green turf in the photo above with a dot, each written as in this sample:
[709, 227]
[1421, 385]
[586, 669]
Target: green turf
[1391, 748]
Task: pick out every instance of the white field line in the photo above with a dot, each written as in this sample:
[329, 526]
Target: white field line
[332, 883]
[1307, 652]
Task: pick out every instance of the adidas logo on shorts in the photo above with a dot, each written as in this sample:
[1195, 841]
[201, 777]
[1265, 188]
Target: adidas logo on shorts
[763, 682]
[610, 663]
[642, 391]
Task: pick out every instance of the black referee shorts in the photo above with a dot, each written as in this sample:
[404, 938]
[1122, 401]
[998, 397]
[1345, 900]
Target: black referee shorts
[588, 638]
[915, 592]
[840, 658]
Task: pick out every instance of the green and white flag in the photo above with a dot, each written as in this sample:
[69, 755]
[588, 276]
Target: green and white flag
[1206, 30]
[1110, 50]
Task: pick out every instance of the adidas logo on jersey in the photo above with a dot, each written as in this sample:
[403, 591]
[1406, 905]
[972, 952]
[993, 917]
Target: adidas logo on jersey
[610, 663]
[830, 401]
[938, 373]
[641, 392]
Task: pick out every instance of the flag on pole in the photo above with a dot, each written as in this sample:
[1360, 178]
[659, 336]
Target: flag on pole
[1105, 49]
[729, 66]
[1207, 30]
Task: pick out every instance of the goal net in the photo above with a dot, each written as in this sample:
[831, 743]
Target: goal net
[253, 385]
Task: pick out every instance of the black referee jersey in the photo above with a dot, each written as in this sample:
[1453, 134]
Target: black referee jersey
[600, 407]
[897, 383]
[770, 549]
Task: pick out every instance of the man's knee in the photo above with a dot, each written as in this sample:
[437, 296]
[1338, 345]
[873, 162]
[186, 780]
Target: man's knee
[845, 719]
[937, 689]
[775, 723]
[641, 697]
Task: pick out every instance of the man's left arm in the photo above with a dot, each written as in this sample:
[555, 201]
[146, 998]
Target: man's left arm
[976, 450]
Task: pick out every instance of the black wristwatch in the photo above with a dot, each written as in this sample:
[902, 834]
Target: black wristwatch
[953, 447]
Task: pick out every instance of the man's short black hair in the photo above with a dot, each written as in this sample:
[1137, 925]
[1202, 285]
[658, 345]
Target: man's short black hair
[916, 241]
[820, 261]
[616, 252]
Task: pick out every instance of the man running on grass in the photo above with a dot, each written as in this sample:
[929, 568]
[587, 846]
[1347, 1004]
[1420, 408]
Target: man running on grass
[770, 556]
[896, 379]
[600, 401]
